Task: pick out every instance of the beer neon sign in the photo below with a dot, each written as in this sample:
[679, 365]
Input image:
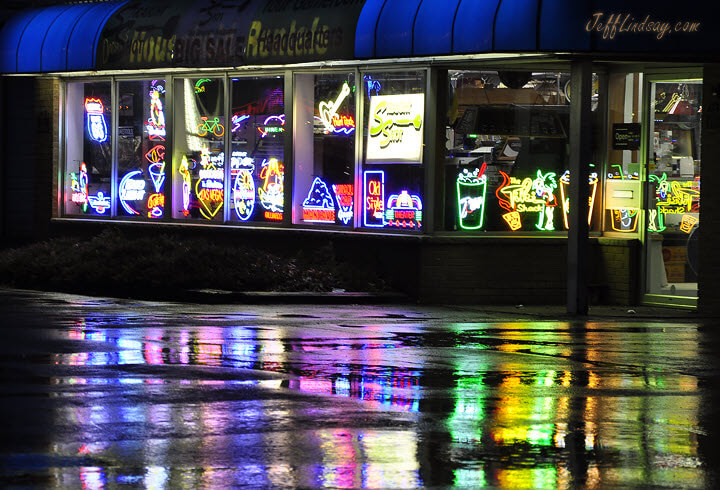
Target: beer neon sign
[344, 198]
[374, 198]
[97, 128]
[318, 206]
[131, 189]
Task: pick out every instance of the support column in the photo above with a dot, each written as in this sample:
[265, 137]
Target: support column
[580, 155]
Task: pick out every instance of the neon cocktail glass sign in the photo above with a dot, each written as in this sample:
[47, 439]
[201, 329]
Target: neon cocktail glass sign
[471, 188]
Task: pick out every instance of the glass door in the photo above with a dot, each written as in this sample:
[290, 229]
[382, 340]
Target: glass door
[673, 192]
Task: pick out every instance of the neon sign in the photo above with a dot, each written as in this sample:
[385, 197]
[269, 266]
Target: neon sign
[271, 193]
[237, 121]
[565, 197]
[210, 126]
[243, 185]
[687, 223]
[394, 128]
[96, 119]
[471, 188]
[210, 189]
[374, 198]
[184, 170]
[200, 85]
[268, 128]
[156, 122]
[622, 219]
[155, 204]
[528, 196]
[343, 124]
[328, 110]
[131, 189]
[100, 203]
[674, 197]
[344, 198]
[404, 210]
[318, 206]
[79, 186]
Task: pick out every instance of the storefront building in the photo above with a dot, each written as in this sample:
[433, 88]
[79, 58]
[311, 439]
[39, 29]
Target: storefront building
[503, 151]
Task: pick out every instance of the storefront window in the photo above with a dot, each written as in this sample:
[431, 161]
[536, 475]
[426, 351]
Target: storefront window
[506, 166]
[673, 188]
[392, 172]
[257, 169]
[324, 149]
[199, 155]
[88, 160]
[141, 148]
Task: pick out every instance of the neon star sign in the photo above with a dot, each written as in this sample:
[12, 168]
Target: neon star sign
[97, 128]
[318, 206]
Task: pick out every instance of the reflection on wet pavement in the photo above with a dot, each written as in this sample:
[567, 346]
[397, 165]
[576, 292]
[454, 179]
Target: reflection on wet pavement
[106, 394]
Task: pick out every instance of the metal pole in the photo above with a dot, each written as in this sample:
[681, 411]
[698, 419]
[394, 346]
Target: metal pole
[580, 155]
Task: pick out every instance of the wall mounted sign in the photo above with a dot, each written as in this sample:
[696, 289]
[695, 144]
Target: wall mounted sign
[626, 136]
[395, 128]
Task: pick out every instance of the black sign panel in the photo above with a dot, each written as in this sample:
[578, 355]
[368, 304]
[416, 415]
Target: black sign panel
[626, 136]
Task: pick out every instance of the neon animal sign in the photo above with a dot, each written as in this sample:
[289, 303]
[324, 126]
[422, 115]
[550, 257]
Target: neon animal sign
[565, 197]
[328, 110]
[404, 210]
[271, 193]
[319, 206]
[374, 198]
[97, 128]
[471, 188]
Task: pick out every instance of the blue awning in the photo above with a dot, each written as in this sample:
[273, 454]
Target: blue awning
[406, 28]
[56, 38]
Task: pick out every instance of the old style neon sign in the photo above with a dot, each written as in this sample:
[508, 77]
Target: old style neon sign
[471, 188]
[97, 128]
[528, 196]
[374, 198]
[404, 210]
[318, 206]
[271, 193]
[243, 185]
[344, 198]
[79, 186]
[565, 196]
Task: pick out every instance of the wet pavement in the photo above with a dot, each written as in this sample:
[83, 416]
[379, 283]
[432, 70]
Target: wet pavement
[108, 393]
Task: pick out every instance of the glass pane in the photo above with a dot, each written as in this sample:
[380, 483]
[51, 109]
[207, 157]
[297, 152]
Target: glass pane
[199, 155]
[257, 141]
[507, 152]
[673, 213]
[88, 161]
[392, 172]
[141, 148]
[324, 149]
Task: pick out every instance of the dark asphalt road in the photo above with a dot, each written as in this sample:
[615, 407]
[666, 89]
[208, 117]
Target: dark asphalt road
[104, 393]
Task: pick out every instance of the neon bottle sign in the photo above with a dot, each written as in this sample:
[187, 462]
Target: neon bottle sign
[319, 206]
[328, 109]
[404, 210]
[374, 198]
[97, 128]
[471, 189]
